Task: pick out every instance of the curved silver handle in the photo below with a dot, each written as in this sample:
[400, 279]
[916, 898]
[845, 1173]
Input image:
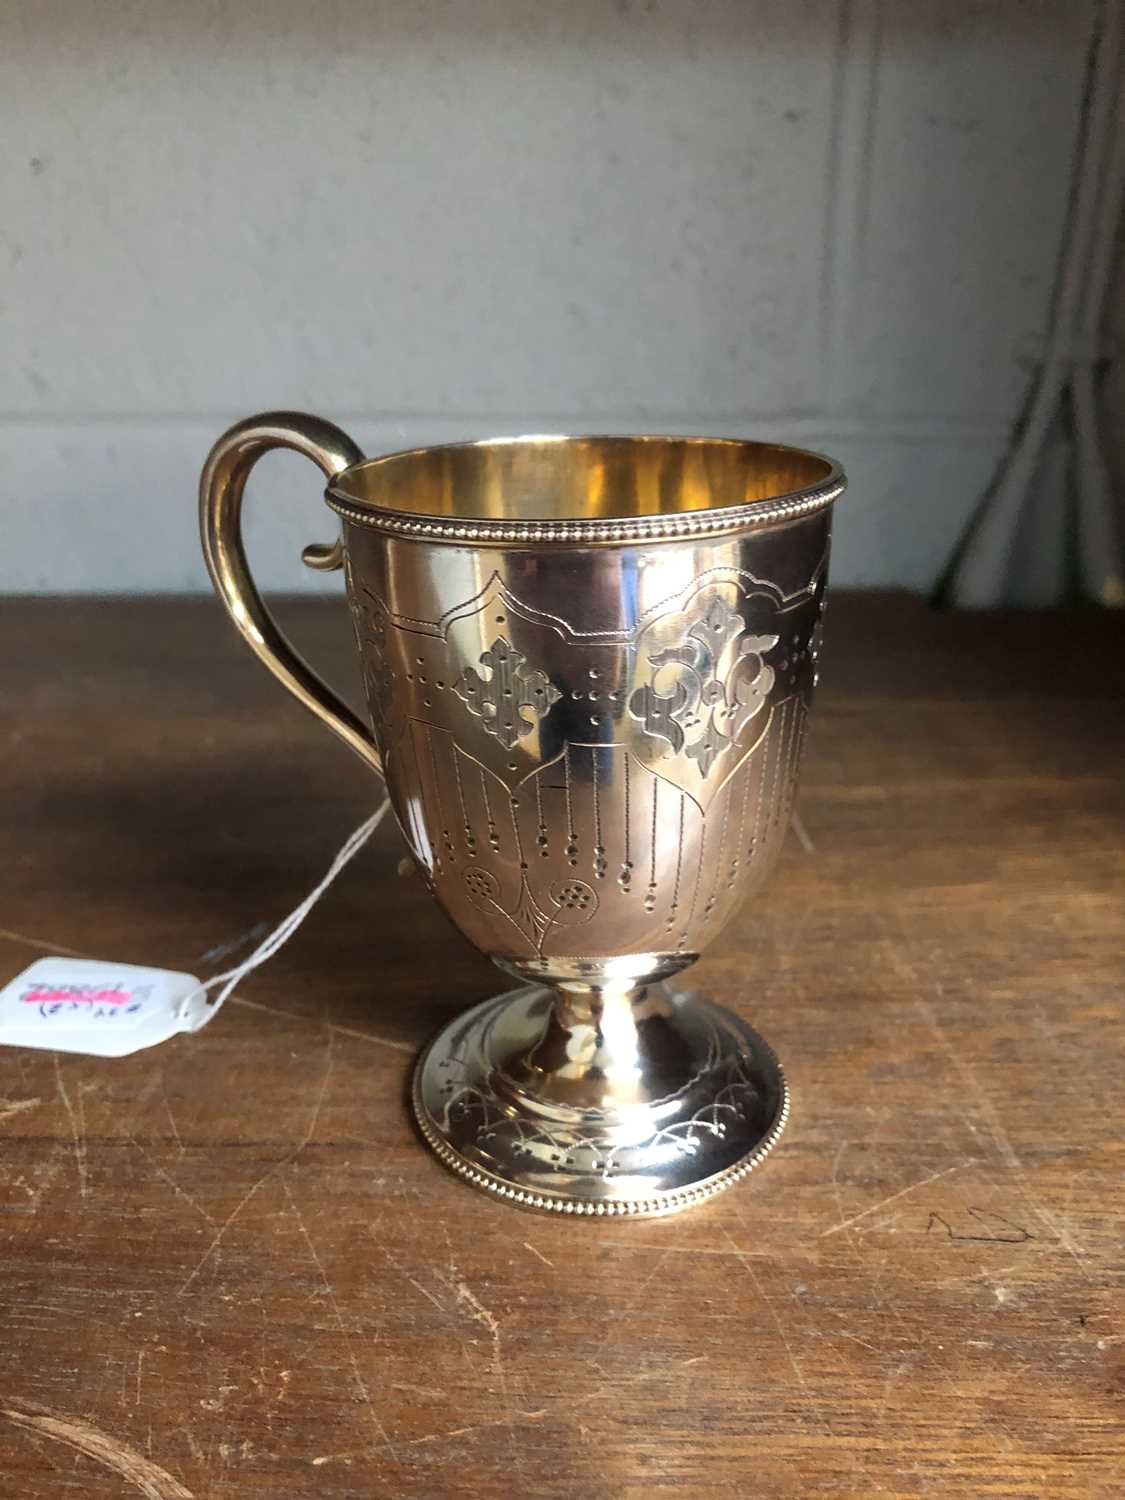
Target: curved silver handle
[221, 488]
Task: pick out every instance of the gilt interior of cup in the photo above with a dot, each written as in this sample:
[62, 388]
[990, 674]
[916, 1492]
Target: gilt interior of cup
[584, 478]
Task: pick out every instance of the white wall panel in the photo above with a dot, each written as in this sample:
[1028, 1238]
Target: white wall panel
[426, 219]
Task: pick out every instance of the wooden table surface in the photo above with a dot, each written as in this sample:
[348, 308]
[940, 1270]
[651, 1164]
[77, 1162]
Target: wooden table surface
[230, 1269]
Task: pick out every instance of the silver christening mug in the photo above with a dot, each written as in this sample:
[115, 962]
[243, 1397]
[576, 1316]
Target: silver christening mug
[588, 664]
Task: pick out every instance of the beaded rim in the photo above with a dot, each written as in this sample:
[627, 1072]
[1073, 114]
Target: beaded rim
[674, 526]
[684, 526]
[658, 1205]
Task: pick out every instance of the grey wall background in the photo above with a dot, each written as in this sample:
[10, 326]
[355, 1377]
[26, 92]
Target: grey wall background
[826, 223]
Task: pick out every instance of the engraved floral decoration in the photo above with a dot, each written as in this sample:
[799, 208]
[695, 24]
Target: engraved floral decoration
[370, 626]
[512, 698]
[572, 902]
[703, 691]
[482, 885]
[576, 901]
[727, 1081]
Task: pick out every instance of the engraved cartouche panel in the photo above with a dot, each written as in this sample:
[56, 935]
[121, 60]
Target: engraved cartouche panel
[573, 789]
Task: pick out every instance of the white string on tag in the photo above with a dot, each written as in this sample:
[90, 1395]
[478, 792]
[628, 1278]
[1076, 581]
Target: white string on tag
[286, 928]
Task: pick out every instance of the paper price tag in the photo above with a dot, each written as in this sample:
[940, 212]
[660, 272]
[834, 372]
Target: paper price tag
[100, 1009]
[109, 1010]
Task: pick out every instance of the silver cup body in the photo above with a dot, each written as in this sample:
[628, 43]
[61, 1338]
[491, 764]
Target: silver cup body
[592, 751]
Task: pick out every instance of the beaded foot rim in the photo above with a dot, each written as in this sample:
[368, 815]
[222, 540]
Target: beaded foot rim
[655, 1206]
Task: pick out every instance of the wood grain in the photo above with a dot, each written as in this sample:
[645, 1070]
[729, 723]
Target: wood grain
[229, 1269]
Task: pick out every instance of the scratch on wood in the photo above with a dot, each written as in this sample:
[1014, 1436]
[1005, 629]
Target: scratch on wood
[44, 1177]
[538, 1254]
[369, 1036]
[418, 1287]
[889, 1305]
[892, 1379]
[329, 1064]
[10, 1107]
[267, 1010]
[224, 1226]
[782, 1335]
[330, 1027]
[140, 1099]
[854, 1338]
[149, 1478]
[523, 1416]
[1000, 1139]
[836, 1160]
[873, 1485]
[170, 1180]
[636, 1302]
[402, 1271]
[989, 1273]
[76, 1134]
[41, 944]
[429, 1391]
[481, 1314]
[664, 1250]
[902, 1192]
[261, 1182]
[171, 1116]
[477, 1310]
[435, 1437]
[610, 1387]
[360, 1384]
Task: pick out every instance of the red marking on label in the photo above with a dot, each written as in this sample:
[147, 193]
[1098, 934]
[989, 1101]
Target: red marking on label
[79, 994]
